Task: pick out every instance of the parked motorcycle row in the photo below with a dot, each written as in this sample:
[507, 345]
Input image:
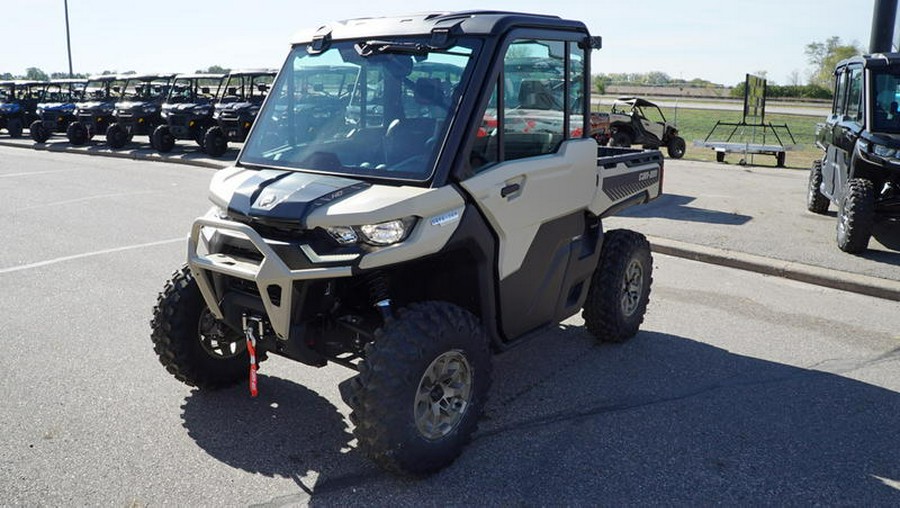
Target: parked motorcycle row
[208, 109]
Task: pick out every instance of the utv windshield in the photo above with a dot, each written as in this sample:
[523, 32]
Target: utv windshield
[138, 90]
[246, 88]
[886, 95]
[193, 90]
[368, 108]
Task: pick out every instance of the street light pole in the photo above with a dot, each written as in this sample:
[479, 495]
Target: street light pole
[68, 40]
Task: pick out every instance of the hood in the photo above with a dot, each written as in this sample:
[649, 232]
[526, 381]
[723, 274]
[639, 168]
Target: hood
[890, 140]
[95, 105]
[278, 195]
[186, 107]
[51, 106]
[135, 104]
[234, 106]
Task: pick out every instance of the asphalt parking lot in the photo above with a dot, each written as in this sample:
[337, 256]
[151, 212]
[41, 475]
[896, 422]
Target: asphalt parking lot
[741, 388]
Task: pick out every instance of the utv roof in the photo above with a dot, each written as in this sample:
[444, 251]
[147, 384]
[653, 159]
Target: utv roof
[872, 61]
[106, 77]
[199, 76]
[635, 102]
[22, 82]
[67, 81]
[147, 77]
[461, 23]
[253, 72]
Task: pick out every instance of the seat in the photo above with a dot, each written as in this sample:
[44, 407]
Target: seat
[535, 94]
[406, 138]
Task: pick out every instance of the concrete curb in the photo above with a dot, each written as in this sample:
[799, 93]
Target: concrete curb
[135, 154]
[835, 279]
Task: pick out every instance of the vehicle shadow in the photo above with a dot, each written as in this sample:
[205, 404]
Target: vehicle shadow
[661, 419]
[887, 233]
[674, 207]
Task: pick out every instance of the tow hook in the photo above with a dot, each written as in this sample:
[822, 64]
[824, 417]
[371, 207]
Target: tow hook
[253, 330]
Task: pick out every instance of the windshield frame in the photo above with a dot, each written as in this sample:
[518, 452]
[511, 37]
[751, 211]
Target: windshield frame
[473, 45]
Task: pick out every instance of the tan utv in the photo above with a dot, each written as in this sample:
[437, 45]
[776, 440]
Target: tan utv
[635, 121]
[438, 205]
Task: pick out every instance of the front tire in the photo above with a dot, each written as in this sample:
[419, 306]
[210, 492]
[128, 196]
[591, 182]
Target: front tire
[214, 142]
[162, 139]
[421, 388]
[856, 214]
[816, 202]
[676, 147]
[116, 137]
[620, 287]
[191, 344]
[39, 133]
[77, 133]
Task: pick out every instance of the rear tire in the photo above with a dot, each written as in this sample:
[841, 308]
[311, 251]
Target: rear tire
[14, 127]
[214, 142]
[856, 214]
[162, 139]
[39, 133]
[816, 202]
[720, 156]
[620, 287]
[191, 344]
[421, 388]
[676, 147]
[620, 138]
[77, 133]
[780, 158]
[116, 137]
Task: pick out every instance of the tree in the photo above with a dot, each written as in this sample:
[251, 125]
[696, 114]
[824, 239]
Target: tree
[35, 74]
[824, 56]
[6, 76]
[214, 69]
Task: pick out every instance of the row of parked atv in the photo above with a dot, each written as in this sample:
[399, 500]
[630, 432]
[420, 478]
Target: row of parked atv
[209, 109]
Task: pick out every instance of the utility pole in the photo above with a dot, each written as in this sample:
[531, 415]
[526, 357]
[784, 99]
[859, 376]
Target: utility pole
[68, 39]
[884, 17]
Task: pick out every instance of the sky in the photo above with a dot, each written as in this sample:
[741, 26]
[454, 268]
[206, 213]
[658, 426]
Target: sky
[715, 40]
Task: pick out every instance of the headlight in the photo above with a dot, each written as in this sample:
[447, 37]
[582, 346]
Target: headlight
[883, 151]
[217, 114]
[201, 110]
[384, 233]
[40, 111]
[149, 108]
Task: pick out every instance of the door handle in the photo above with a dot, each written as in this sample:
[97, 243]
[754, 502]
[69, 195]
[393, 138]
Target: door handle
[509, 189]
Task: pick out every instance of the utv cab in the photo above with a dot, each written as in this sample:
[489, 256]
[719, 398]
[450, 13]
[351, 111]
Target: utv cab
[240, 98]
[860, 169]
[94, 114]
[18, 104]
[57, 110]
[635, 121]
[188, 110]
[139, 109]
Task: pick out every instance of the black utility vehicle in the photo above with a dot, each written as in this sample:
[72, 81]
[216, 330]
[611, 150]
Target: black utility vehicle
[638, 121]
[18, 104]
[860, 170]
[188, 110]
[94, 114]
[139, 109]
[57, 110]
[403, 223]
[240, 97]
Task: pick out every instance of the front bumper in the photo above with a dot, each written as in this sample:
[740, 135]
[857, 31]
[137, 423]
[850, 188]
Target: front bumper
[273, 278]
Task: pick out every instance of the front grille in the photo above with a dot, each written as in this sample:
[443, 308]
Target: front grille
[177, 120]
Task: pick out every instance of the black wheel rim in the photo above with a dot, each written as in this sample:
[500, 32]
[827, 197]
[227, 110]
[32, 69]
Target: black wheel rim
[217, 339]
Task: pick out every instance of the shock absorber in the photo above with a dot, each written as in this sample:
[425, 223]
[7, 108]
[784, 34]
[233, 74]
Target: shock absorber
[379, 295]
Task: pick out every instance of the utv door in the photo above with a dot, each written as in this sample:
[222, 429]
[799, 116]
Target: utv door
[844, 125]
[533, 186]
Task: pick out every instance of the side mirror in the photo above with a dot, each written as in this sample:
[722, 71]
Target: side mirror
[596, 42]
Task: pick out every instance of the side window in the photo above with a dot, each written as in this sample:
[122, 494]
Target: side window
[526, 113]
[854, 95]
[840, 93]
[533, 97]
